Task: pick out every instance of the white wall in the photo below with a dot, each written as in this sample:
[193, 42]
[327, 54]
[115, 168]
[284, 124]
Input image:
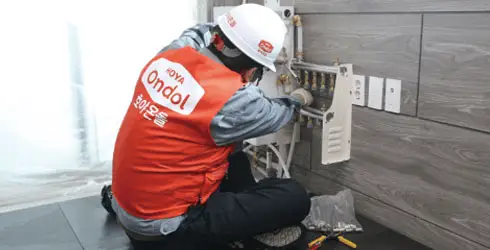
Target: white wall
[117, 39]
[36, 119]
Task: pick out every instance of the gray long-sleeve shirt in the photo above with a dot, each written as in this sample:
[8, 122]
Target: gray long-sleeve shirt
[247, 114]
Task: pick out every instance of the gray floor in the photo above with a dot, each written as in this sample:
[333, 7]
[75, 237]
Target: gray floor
[75, 224]
[82, 224]
[25, 190]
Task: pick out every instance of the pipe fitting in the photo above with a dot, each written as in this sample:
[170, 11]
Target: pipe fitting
[306, 81]
[297, 20]
[314, 85]
[283, 79]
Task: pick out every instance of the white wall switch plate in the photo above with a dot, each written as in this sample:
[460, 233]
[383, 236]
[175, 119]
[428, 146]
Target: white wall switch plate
[359, 90]
[393, 95]
[375, 99]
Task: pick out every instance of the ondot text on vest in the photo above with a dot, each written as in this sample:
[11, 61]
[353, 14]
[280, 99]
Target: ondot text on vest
[171, 85]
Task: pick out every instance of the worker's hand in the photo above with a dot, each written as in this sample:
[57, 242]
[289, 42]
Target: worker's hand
[302, 96]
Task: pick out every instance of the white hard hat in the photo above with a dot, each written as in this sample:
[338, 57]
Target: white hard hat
[255, 30]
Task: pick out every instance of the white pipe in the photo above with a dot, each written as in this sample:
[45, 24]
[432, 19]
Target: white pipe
[291, 146]
[308, 114]
[281, 161]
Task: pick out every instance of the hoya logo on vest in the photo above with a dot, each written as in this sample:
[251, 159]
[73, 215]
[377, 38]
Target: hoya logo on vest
[171, 85]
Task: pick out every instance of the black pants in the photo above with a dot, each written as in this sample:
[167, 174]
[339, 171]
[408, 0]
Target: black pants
[240, 210]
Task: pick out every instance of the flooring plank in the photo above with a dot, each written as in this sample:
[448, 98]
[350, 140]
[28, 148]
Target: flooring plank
[385, 46]
[455, 75]
[436, 172]
[356, 6]
[413, 227]
[40, 228]
[93, 227]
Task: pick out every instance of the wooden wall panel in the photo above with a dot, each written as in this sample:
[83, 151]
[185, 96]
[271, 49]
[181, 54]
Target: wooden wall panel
[377, 45]
[302, 150]
[455, 71]
[418, 229]
[436, 172]
[357, 6]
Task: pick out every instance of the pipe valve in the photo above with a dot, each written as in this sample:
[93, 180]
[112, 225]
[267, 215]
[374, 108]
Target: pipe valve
[306, 84]
[314, 85]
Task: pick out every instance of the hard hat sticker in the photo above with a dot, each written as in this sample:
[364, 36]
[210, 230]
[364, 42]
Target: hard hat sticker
[265, 47]
[231, 20]
[171, 85]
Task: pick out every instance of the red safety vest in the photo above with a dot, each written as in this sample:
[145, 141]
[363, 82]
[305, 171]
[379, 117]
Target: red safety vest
[165, 158]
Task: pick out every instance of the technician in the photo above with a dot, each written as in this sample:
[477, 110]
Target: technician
[179, 179]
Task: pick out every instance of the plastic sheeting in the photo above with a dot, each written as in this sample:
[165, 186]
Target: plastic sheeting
[67, 72]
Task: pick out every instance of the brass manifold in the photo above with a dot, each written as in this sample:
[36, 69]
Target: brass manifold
[321, 82]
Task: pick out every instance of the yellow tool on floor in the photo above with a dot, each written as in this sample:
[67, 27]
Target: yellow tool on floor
[316, 243]
[347, 242]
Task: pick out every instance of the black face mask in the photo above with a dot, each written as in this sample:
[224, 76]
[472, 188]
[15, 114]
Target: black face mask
[232, 58]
